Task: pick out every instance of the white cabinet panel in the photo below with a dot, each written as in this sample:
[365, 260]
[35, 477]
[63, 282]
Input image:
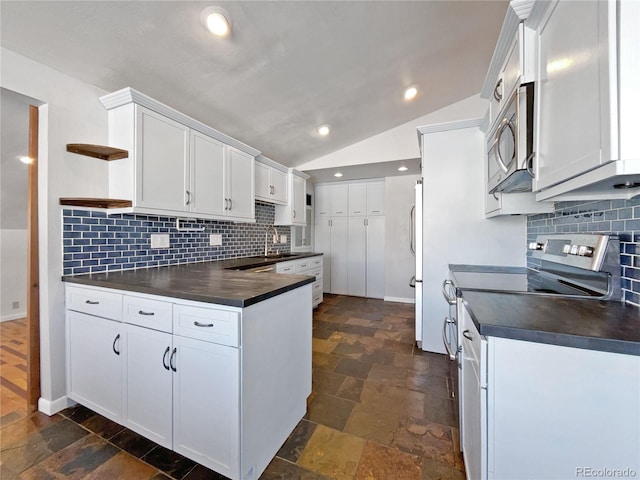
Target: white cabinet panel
[263, 181]
[322, 200]
[207, 175]
[295, 211]
[240, 186]
[339, 200]
[94, 302]
[339, 256]
[148, 387]
[279, 183]
[322, 230]
[357, 199]
[375, 199]
[162, 167]
[271, 184]
[95, 351]
[206, 399]
[357, 256]
[375, 257]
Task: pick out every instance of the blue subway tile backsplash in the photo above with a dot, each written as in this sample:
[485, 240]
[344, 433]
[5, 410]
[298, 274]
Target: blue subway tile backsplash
[621, 217]
[94, 241]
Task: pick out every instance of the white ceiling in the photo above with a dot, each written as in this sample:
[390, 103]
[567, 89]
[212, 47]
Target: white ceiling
[287, 67]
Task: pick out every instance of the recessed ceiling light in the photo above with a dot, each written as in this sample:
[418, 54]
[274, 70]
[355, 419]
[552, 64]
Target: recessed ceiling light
[337, 174]
[410, 92]
[25, 159]
[323, 130]
[403, 168]
[216, 20]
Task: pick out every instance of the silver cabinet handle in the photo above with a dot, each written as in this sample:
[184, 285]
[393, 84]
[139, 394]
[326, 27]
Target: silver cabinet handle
[294, 213]
[171, 360]
[450, 301]
[113, 346]
[142, 312]
[529, 164]
[445, 338]
[375, 211]
[467, 335]
[188, 197]
[230, 204]
[412, 282]
[165, 364]
[92, 302]
[357, 211]
[198, 324]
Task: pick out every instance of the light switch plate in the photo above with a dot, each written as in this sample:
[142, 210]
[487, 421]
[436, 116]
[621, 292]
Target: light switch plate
[283, 239]
[215, 239]
[159, 240]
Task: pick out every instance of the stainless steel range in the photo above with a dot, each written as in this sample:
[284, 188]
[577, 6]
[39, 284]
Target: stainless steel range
[568, 265]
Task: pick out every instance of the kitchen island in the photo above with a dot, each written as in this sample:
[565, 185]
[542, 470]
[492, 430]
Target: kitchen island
[207, 360]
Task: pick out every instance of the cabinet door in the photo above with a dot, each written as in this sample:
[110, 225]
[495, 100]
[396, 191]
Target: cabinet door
[298, 212]
[375, 199]
[357, 199]
[322, 200]
[339, 200]
[148, 386]
[279, 184]
[207, 175]
[375, 257]
[573, 109]
[95, 351]
[512, 67]
[263, 182]
[357, 256]
[339, 256]
[240, 174]
[162, 162]
[322, 244]
[207, 404]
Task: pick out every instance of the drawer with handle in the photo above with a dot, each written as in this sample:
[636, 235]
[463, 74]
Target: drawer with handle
[208, 324]
[316, 272]
[302, 265]
[286, 267]
[149, 313]
[94, 302]
[316, 262]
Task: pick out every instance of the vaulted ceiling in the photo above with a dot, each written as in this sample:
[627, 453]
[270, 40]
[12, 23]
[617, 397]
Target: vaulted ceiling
[287, 67]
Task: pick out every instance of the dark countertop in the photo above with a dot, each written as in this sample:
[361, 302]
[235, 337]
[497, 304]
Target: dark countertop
[580, 323]
[218, 282]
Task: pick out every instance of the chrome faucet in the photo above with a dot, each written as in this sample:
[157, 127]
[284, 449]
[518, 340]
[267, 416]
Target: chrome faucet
[266, 238]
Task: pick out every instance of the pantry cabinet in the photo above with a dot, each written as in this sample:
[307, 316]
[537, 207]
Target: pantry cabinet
[332, 200]
[176, 165]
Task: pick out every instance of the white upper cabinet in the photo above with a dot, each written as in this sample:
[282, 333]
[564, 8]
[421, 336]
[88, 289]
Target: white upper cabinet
[332, 200]
[357, 199]
[375, 199]
[271, 181]
[177, 165]
[295, 211]
[588, 101]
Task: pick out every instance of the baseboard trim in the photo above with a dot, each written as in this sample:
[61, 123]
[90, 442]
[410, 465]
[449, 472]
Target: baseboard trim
[14, 316]
[51, 407]
[400, 299]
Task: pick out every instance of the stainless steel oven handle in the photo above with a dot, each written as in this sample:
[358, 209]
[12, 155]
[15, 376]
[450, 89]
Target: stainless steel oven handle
[450, 301]
[445, 339]
[505, 124]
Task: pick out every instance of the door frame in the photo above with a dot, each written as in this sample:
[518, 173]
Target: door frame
[33, 274]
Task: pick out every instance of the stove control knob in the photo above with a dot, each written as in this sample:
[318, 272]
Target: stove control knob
[536, 246]
[585, 251]
[574, 250]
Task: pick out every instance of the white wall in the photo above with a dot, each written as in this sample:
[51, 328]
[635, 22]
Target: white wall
[399, 143]
[13, 273]
[72, 113]
[399, 263]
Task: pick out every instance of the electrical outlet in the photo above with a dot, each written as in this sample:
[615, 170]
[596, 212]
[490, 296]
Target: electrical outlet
[283, 239]
[15, 305]
[215, 239]
[159, 240]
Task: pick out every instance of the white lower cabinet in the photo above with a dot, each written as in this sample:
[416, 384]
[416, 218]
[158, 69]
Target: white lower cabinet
[172, 370]
[205, 400]
[95, 355]
[312, 266]
[534, 410]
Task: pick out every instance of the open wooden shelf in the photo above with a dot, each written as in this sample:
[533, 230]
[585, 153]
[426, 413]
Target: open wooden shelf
[96, 202]
[97, 151]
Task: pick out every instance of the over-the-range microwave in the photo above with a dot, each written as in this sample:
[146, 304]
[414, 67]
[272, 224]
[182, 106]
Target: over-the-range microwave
[510, 144]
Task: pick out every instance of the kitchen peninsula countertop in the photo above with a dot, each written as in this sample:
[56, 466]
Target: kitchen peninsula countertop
[579, 323]
[221, 282]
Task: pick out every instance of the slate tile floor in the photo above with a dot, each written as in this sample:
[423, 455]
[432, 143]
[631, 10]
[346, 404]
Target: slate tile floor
[380, 410]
